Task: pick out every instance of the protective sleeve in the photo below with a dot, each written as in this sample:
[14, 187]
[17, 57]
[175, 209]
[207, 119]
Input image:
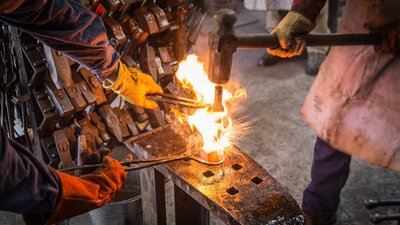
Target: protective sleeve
[67, 26]
[308, 8]
[27, 184]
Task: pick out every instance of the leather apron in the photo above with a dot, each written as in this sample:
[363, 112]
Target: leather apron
[354, 102]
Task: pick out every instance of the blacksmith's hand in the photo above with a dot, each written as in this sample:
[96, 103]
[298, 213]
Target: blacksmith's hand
[82, 194]
[133, 85]
[292, 24]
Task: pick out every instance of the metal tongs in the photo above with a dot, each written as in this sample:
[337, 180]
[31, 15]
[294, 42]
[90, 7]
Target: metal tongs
[177, 100]
[146, 163]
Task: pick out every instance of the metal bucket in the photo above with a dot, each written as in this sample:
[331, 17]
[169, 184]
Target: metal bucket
[215, 5]
[126, 207]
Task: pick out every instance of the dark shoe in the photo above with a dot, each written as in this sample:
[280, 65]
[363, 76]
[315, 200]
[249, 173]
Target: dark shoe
[309, 220]
[314, 61]
[268, 60]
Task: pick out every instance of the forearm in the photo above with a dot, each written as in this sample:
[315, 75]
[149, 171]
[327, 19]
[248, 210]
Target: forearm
[27, 184]
[308, 8]
[66, 26]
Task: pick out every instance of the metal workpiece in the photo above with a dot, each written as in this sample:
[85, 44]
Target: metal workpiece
[238, 191]
[218, 107]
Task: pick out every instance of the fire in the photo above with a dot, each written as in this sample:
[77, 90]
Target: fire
[216, 128]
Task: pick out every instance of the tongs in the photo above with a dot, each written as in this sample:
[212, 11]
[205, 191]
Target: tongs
[145, 163]
[177, 100]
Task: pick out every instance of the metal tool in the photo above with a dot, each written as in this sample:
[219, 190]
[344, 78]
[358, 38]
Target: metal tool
[224, 42]
[378, 218]
[149, 163]
[176, 100]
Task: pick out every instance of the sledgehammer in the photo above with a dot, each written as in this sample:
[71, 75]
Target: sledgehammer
[224, 42]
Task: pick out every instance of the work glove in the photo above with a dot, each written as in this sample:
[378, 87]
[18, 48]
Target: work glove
[133, 85]
[390, 35]
[292, 24]
[82, 194]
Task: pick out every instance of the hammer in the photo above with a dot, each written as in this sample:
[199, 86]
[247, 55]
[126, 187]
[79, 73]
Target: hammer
[224, 42]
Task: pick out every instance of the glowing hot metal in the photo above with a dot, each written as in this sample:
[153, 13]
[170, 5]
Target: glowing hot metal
[216, 128]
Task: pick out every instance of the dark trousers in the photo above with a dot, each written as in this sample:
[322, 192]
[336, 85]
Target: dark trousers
[329, 172]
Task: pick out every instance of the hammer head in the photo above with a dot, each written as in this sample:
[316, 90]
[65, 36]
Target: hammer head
[222, 45]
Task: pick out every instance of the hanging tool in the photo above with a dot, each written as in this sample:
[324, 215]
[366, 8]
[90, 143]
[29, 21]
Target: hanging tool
[146, 163]
[176, 100]
[224, 42]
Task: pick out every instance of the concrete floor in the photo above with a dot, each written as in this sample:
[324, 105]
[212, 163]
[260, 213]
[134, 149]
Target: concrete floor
[279, 140]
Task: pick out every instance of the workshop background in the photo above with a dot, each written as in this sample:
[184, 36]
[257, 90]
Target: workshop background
[278, 139]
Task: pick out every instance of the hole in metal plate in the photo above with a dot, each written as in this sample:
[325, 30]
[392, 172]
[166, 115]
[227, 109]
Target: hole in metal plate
[237, 166]
[208, 173]
[256, 180]
[232, 191]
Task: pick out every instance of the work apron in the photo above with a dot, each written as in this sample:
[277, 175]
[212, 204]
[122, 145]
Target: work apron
[354, 102]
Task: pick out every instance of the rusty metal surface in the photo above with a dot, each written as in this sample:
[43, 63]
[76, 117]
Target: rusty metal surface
[239, 191]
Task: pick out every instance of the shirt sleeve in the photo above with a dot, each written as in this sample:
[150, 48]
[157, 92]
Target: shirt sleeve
[27, 184]
[308, 8]
[68, 27]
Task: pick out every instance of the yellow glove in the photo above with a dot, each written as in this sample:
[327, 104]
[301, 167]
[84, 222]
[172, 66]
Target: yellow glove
[293, 23]
[133, 85]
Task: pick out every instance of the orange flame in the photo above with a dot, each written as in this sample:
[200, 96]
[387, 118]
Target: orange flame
[216, 128]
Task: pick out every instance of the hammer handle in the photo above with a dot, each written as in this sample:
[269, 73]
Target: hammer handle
[271, 41]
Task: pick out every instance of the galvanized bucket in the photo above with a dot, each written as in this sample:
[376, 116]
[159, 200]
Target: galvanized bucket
[126, 207]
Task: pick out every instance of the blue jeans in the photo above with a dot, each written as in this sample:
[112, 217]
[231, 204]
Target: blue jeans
[329, 173]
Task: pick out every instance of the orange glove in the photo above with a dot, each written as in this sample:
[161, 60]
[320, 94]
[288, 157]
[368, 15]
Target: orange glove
[82, 194]
[292, 24]
[133, 85]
